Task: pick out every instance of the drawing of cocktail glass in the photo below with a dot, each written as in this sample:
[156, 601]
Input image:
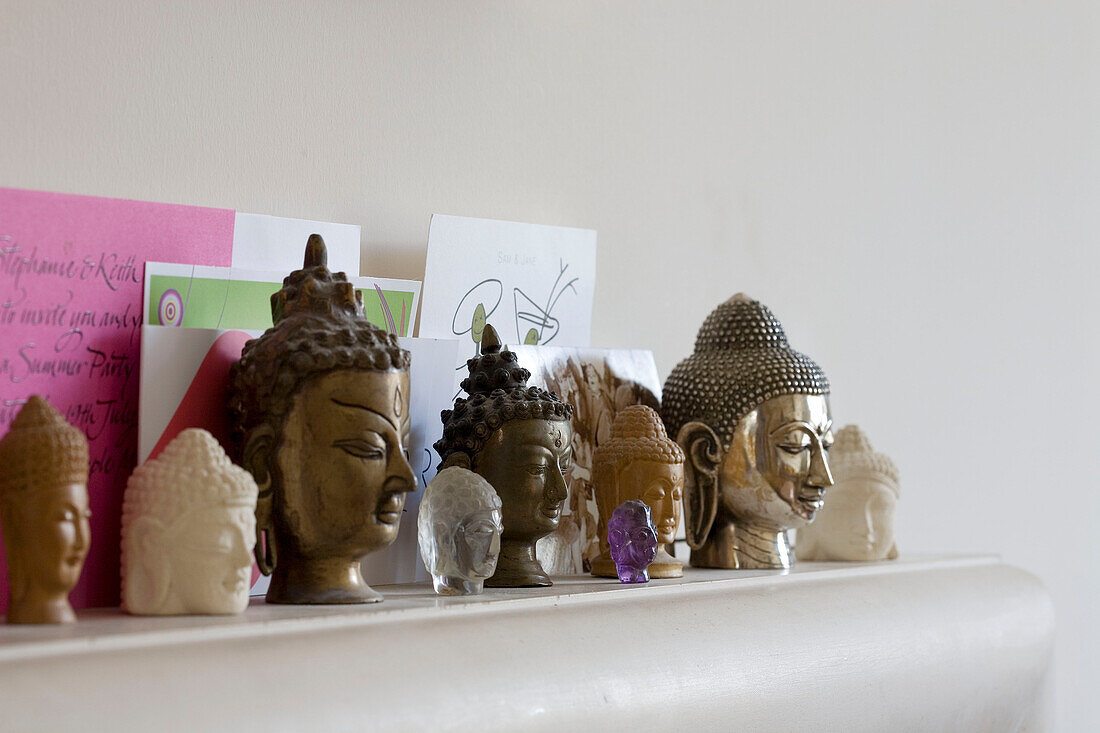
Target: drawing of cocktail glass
[543, 327]
[471, 310]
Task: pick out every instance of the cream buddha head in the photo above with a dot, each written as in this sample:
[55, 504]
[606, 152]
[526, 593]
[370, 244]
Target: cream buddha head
[188, 526]
[639, 462]
[857, 523]
[459, 528]
[519, 439]
[44, 509]
[752, 416]
[320, 408]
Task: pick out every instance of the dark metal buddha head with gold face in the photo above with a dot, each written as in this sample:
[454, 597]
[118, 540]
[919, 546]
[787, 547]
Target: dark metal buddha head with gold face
[320, 405]
[752, 416]
[518, 438]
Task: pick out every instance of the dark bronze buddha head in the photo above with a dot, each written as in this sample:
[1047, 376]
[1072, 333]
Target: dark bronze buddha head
[518, 438]
[320, 406]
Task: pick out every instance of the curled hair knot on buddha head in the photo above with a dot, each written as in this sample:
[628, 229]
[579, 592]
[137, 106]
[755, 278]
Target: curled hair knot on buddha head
[319, 327]
[637, 434]
[192, 472]
[741, 360]
[41, 450]
[498, 392]
[853, 455]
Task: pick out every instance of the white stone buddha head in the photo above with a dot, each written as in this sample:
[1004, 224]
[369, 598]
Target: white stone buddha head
[857, 522]
[188, 526]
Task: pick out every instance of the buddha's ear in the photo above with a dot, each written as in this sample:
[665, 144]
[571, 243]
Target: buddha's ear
[702, 453]
[458, 458]
[266, 551]
[257, 455]
[257, 461]
[147, 572]
[893, 553]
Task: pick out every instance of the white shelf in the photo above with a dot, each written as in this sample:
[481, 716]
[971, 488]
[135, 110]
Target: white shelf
[941, 643]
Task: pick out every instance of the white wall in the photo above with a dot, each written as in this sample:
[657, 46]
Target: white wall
[914, 187]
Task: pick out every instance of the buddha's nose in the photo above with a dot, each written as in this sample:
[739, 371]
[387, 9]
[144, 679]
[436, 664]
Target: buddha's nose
[556, 488]
[820, 473]
[83, 529]
[399, 474]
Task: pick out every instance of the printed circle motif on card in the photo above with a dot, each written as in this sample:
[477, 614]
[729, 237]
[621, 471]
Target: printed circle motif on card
[170, 309]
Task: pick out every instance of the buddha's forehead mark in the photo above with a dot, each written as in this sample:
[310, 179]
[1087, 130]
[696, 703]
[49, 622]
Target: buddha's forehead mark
[398, 407]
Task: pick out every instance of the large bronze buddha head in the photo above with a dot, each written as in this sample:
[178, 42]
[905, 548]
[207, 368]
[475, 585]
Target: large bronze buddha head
[518, 438]
[752, 416]
[320, 406]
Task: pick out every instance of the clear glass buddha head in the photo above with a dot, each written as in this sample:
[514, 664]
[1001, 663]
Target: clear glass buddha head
[188, 527]
[519, 439]
[44, 511]
[752, 416]
[633, 540]
[857, 523]
[459, 528]
[320, 405]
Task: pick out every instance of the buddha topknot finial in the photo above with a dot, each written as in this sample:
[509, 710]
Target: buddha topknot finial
[316, 252]
[314, 289]
[490, 340]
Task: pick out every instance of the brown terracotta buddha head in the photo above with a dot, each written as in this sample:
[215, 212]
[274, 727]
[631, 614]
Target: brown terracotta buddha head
[518, 438]
[752, 416]
[44, 508]
[320, 405]
[639, 462]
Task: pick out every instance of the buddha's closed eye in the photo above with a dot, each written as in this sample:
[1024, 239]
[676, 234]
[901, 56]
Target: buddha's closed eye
[361, 449]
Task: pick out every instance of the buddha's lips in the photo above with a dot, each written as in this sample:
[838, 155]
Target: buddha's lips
[808, 501]
[389, 509]
[552, 511]
[812, 498]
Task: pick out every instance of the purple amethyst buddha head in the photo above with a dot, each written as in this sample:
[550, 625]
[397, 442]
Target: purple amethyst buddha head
[633, 540]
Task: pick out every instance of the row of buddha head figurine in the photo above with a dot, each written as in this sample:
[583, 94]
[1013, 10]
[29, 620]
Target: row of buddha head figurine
[320, 411]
